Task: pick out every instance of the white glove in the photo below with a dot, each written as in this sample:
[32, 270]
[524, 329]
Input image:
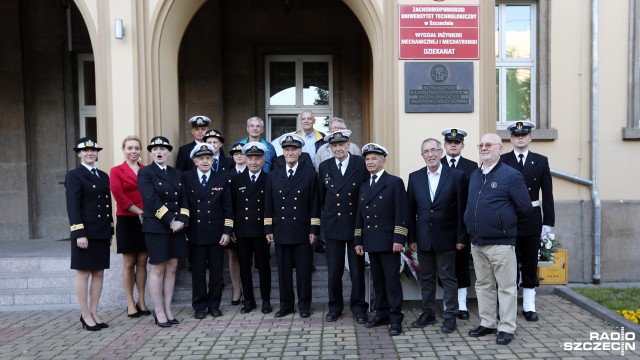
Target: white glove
[545, 230]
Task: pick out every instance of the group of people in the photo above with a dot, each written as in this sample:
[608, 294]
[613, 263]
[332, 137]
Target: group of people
[451, 208]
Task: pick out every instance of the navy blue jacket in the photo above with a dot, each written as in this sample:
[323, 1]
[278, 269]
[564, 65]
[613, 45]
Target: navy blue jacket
[437, 225]
[210, 207]
[88, 204]
[537, 176]
[248, 204]
[383, 214]
[339, 196]
[292, 207]
[164, 198]
[497, 202]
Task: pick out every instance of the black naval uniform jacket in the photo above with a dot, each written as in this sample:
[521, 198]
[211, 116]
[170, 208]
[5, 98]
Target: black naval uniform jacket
[184, 161]
[292, 207]
[537, 175]
[210, 207]
[164, 198]
[249, 203]
[383, 214]
[339, 196]
[437, 225]
[465, 165]
[88, 204]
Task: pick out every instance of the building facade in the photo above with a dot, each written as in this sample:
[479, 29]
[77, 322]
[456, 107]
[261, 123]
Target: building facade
[120, 67]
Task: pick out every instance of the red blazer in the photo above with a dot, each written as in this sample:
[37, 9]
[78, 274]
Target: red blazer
[124, 187]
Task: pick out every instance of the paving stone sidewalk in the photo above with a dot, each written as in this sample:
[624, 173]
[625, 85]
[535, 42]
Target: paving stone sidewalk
[57, 334]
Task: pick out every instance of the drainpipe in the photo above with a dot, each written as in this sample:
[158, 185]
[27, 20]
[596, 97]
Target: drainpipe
[595, 197]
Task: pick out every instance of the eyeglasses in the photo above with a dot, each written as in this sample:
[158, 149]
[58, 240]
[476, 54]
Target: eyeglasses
[431, 151]
[487, 145]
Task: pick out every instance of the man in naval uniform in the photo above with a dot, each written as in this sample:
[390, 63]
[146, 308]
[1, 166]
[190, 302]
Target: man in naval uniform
[340, 179]
[453, 145]
[535, 170]
[199, 127]
[382, 221]
[292, 222]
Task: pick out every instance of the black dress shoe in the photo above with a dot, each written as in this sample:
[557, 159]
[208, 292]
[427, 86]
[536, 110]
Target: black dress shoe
[142, 312]
[376, 321]
[320, 249]
[161, 324]
[530, 315]
[305, 313]
[361, 318]
[448, 325]
[236, 302]
[463, 315]
[174, 321]
[200, 314]
[215, 312]
[95, 327]
[332, 316]
[134, 315]
[481, 331]
[395, 329]
[247, 308]
[282, 313]
[102, 325]
[504, 338]
[266, 307]
[424, 320]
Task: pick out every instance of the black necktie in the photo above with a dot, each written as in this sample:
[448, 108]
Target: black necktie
[453, 163]
[340, 167]
[95, 172]
[215, 165]
[204, 180]
[521, 160]
[253, 178]
[290, 173]
[373, 180]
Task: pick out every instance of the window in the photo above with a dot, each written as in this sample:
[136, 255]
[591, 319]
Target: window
[295, 83]
[87, 96]
[522, 65]
[515, 63]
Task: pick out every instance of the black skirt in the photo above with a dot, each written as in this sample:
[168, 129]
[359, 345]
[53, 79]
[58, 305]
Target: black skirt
[94, 257]
[162, 247]
[129, 236]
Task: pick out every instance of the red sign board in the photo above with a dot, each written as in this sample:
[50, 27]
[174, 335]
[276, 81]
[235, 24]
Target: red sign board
[439, 32]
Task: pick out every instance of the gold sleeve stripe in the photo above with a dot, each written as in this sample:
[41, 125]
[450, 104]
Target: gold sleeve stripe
[184, 211]
[268, 221]
[358, 232]
[228, 222]
[315, 221]
[75, 227]
[401, 230]
[160, 213]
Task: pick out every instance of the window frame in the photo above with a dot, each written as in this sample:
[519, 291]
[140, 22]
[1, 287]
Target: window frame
[320, 111]
[632, 130]
[540, 103]
[84, 111]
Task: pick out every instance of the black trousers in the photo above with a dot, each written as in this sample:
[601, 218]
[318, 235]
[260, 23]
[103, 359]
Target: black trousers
[299, 256]
[527, 254]
[203, 257]
[463, 275]
[336, 250]
[442, 265]
[385, 272]
[249, 249]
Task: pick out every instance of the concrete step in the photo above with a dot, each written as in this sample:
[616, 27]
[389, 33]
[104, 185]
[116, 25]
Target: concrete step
[37, 280]
[34, 264]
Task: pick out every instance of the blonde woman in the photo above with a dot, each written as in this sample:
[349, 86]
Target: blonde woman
[129, 236]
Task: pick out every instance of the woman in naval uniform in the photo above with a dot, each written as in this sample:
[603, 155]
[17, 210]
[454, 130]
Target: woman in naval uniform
[89, 209]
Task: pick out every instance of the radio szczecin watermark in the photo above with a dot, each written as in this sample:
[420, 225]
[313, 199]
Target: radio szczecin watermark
[605, 341]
